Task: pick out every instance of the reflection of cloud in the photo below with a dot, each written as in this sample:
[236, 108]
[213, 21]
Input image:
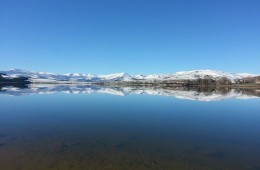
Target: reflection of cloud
[179, 92]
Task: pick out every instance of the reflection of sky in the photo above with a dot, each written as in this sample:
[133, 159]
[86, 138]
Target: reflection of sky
[228, 119]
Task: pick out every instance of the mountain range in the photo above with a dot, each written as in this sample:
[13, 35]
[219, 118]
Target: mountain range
[45, 77]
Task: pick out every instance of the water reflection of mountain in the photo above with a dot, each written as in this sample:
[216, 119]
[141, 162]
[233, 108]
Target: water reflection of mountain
[191, 93]
[4, 86]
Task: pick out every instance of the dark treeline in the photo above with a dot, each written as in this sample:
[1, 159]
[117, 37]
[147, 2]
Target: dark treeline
[206, 81]
[249, 80]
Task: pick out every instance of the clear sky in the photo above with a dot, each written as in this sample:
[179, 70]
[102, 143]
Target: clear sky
[133, 36]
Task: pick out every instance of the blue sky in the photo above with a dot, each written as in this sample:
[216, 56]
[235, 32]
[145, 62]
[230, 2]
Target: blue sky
[133, 36]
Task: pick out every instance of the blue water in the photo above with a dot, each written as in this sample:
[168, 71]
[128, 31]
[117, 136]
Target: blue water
[102, 131]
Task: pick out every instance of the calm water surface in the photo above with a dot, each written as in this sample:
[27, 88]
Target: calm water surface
[102, 131]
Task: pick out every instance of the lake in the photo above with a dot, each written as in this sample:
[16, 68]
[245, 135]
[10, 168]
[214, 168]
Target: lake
[90, 127]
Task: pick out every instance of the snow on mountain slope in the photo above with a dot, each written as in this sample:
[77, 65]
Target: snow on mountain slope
[247, 75]
[76, 77]
[196, 74]
[117, 77]
[199, 74]
[211, 73]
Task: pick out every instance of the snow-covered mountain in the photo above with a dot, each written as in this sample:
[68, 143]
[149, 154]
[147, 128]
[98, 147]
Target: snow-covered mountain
[196, 74]
[88, 78]
[70, 77]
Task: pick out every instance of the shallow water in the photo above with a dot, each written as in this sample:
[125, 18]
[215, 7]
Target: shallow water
[103, 131]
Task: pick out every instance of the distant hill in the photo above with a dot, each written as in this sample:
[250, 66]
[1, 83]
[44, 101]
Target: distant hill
[21, 82]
